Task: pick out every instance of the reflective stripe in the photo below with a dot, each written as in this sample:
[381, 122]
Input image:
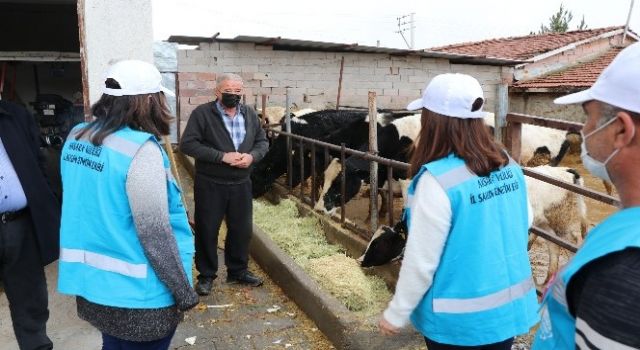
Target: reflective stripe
[116, 143]
[559, 292]
[103, 262]
[409, 202]
[121, 145]
[486, 302]
[72, 134]
[454, 177]
[170, 176]
[595, 338]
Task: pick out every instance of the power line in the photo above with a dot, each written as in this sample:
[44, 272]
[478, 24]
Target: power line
[407, 23]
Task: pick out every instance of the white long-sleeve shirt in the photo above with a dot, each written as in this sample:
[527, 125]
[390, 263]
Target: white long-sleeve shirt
[428, 232]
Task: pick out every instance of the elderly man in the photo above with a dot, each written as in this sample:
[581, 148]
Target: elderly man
[225, 138]
[29, 226]
[594, 301]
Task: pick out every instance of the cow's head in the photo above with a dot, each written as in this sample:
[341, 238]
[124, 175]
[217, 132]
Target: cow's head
[386, 245]
[331, 195]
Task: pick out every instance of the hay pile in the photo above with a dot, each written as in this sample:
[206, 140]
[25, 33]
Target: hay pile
[298, 236]
[342, 277]
[302, 239]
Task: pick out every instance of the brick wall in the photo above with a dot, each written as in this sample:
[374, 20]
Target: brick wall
[193, 89]
[312, 77]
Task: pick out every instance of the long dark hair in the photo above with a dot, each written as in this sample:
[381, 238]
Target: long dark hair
[149, 113]
[468, 139]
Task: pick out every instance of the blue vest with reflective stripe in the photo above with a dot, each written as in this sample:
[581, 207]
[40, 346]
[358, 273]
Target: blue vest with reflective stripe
[557, 327]
[101, 258]
[482, 291]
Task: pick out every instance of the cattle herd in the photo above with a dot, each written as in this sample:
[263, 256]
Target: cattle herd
[557, 210]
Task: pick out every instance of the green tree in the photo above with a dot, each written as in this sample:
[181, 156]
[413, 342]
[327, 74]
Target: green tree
[582, 25]
[559, 22]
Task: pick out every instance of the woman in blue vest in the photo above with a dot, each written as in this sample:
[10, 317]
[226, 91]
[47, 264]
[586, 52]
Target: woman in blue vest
[125, 244]
[465, 281]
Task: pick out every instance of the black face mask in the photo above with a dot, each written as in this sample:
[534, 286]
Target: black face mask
[230, 100]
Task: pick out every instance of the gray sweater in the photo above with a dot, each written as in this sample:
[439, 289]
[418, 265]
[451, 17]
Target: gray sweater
[147, 192]
[206, 139]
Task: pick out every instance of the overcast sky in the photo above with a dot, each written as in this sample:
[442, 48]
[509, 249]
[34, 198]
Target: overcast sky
[437, 22]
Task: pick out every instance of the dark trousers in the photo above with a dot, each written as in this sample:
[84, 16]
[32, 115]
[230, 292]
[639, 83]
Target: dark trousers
[24, 283]
[215, 202]
[113, 343]
[503, 345]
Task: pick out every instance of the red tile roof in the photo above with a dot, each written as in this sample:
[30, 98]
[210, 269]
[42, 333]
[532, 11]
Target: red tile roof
[582, 75]
[523, 47]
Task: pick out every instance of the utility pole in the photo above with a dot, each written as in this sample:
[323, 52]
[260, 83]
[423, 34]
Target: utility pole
[404, 25]
[412, 31]
[626, 27]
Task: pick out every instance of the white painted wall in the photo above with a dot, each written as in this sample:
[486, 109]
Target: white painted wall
[115, 30]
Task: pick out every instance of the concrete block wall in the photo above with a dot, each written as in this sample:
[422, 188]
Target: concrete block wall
[312, 77]
[541, 104]
[193, 89]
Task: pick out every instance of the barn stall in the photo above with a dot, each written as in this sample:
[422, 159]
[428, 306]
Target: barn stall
[347, 232]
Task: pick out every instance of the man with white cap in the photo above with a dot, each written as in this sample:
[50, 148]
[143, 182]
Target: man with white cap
[465, 281]
[594, 301]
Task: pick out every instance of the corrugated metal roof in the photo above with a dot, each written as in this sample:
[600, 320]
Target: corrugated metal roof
[279, 43]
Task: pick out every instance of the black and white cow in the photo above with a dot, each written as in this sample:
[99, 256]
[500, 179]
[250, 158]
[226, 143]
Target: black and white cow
[322, 125]
[386, 245]
[395, 141]
[336, 127]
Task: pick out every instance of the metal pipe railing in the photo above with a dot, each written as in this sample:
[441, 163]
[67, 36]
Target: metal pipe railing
[343, 182]
[389, 196]
[581, 190]
[314, 184]
[348, 151]
[515, 119]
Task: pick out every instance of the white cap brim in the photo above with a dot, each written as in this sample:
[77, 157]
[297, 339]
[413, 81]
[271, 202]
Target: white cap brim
[123, 92]
[578, 97]
[415, 105]
[167, 91]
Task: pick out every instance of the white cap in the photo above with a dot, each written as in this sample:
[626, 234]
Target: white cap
[618, 85]
[451, 94]
[135, 78]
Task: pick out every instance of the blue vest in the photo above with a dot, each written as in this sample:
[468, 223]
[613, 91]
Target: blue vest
[101, 258]
[482, 290]
[557, 327]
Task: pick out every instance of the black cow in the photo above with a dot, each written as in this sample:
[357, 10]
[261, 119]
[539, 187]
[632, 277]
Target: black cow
[329, 126]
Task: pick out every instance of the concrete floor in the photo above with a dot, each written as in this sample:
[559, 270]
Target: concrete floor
[250, 323]
[259, 318]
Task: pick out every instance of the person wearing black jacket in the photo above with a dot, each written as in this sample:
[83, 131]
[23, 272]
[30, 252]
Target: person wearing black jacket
[225, 138]
[29, 226]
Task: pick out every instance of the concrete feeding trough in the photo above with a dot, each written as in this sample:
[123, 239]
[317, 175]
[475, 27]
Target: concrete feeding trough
[345, 328]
